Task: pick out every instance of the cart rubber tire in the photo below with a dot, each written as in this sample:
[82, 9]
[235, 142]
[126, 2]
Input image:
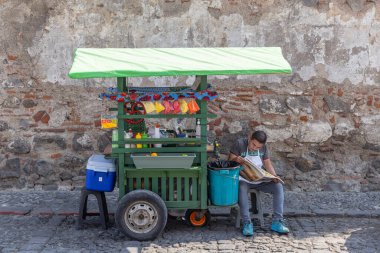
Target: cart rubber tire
[141, 215]
[192, 220]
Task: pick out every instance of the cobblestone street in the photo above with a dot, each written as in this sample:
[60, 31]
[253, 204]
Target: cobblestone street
[38, 233]
[44, 221]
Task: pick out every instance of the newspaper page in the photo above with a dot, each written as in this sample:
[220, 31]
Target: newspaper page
[255, 175]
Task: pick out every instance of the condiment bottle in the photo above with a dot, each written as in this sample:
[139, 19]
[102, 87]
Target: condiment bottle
[144, 136]
[138, 137]
[198, 129]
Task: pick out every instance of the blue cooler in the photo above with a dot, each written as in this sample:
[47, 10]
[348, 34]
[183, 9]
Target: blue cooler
[100, 174]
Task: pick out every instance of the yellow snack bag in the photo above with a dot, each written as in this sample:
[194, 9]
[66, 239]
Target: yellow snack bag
[108, 121]
[183, 105]
[159, 106]
[149, 106]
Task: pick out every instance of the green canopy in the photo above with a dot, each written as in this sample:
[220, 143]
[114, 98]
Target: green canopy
[139, 62]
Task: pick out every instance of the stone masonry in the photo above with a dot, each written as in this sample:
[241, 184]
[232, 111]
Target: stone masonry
[323, 121]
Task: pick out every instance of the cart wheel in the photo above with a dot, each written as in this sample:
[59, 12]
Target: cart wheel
[193, 220]
[141, 215]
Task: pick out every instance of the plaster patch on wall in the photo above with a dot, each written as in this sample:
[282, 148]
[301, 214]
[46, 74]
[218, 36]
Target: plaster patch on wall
[307, 72]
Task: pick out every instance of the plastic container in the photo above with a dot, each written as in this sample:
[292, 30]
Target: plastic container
[163, 160]
[223, 177]
[127, 136]
[198, 129]
[100, 174]
[157, 134]
[131, 136]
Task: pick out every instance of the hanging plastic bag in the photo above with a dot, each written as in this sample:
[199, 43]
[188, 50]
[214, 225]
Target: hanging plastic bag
[168, 106]
[159, 106]
[149, 106]
[193, 106]
[176, 107]
[108, 121]
[184, 107]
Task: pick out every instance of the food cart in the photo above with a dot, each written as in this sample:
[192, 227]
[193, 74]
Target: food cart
[147, 193]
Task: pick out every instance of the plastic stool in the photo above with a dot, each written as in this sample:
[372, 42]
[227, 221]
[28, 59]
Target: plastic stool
[102, 203]
[256, 211]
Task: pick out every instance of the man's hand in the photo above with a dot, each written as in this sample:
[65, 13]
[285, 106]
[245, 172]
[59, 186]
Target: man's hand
[240, 160]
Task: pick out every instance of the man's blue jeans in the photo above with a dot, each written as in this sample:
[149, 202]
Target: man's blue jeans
[275, 189]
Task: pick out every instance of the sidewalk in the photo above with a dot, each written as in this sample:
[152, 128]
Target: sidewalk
[334, 204]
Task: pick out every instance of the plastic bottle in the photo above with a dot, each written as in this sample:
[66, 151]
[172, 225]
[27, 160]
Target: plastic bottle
[115, 137]
[126, 138]
[138, 137]
[130, 133]
[157, 135]
[198, 129]
[144, 136]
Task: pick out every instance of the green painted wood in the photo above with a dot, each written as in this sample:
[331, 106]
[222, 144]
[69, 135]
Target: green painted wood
[203, 155]
[164, 140]
[163, 149]
[171, 188]
[187, 189]
[155, 185]
[121, 84]
[163, 188]
[194, 184]
[191, 172]
[183, 204]
[170, 179]
[179, 188]
[138, 183]
[130, 184]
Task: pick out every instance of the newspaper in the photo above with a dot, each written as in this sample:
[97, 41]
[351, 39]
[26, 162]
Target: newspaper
[253, 174]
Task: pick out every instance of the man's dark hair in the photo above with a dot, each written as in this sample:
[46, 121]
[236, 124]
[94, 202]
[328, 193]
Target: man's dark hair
[260, 136]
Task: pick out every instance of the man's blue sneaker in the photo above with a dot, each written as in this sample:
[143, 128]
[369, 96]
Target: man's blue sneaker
[247, 229]
[279, 227]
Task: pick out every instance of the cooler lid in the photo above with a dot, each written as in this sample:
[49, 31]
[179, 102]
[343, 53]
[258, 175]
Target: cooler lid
[101, 164]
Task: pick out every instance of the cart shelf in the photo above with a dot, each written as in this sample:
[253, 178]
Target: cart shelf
[167, 116]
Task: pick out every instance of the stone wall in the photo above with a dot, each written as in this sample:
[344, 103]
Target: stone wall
[323, 120]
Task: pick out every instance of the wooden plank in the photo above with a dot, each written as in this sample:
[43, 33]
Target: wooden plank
[187, 188]
[183, 204]
[171, 188]
[179, 188]
[146, 183]
[194, 185]
[155, 184]
[203, 155]
[163, 188]
[130, 184]
[138, 183]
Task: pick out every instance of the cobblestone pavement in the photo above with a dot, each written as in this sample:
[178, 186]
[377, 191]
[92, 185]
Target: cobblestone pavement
[43, 221]
[38, 233]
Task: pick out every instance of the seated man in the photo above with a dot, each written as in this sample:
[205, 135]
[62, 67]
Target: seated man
[256, 151]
